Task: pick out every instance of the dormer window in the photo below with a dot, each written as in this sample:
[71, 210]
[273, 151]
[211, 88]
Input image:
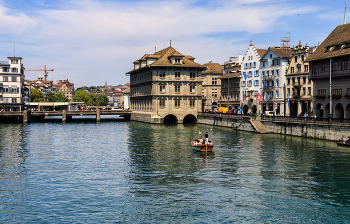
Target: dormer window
[177, 61]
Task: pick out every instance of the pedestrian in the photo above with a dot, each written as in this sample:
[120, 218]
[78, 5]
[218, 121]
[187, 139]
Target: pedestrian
[206, 138]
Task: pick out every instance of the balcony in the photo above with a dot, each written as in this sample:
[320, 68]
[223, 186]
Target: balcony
[296, 95]
[268, 88]
[297, 84]
[268, 77]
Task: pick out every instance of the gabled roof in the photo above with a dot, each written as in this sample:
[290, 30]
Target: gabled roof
[282, 52]
[231, 75]
[163, 60]
[213, 67]
[261, 52]
[339, 36]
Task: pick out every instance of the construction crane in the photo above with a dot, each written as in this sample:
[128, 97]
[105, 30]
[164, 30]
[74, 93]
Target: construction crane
[45, 70]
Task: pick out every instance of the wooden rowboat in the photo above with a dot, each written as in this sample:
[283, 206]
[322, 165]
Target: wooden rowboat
[199, 145]
[343, 144]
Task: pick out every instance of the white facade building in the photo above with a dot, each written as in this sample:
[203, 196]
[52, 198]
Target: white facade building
[273, 68]
[251, 80]
[11, 84]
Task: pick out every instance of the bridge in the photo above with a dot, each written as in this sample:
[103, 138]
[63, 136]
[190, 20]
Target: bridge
[32, 116]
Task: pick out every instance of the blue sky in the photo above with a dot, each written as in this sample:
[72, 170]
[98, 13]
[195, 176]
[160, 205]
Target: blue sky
[92, 41]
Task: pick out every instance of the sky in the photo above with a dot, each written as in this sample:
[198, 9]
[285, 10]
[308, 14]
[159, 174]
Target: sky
[90, 42]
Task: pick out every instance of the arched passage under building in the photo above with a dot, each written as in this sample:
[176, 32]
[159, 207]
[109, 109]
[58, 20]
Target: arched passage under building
[339, 111]
[319, 111]
[170, 119]
[245, 109]
[347, 112]
[190, 119]
[254, 109]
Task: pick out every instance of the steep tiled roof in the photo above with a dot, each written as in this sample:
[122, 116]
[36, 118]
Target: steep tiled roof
[163, 60]
[261, 52]
[231, 75]
[282, 52]
[339, 36]
[213, 67]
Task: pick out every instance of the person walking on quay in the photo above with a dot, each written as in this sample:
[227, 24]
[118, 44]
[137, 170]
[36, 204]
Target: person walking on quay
[206, 138]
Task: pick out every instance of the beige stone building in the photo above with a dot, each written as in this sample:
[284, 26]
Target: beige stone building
[299, 86]
[211, 85]
[65, 87]
[166, 87]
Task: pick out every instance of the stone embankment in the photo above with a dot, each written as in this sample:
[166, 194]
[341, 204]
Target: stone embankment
[332, 132]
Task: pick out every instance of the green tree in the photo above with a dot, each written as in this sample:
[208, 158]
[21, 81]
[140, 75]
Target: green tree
[81, 96]
[102, 100]
[56, 97]
[36, 96]
[91, 100]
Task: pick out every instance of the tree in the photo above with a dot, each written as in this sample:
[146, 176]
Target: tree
[56, 97]
[81, 96]
[102, 100]
[36, 96]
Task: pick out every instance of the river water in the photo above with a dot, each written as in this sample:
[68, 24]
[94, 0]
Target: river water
[130, 172]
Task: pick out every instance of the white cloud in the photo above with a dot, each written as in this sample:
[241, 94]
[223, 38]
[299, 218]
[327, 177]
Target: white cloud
[90, 41]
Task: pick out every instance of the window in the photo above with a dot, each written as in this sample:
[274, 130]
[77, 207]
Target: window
[347, 91]
[177, 89]
[6, 79]
[270, 55]
[6, 100]
[288, 81]
[250, 65]
[256, 73]
[304, 80]
[336, 92]
[14, 89]
[177, 74]
[14, 69]
[273, 62]
[345, 65]
[254, 64]
[263, 64]
[321, 92]
[192, 75]
[214, 81]
[243, 83]
[161, 103]
[162, 74]
[192, 103]
[250, 83]
[14, 61]
[162, 89]
[302, 57]
[288, 92]
[277, 83]
[306, 68]
[334, 66]
[177, 60]
[277, 94]
[14, 100]
[177, 103]
[304, 91]
[273, 73]
[314, 69]
[246, 65]
[309, 91]
[277, 73]
[5, 69]
[192, 89]
[295, 58]
[214, 93]
[277, 62]
[324, 67]
[14, 79]
[256, 83]
[250, 74]
[291, 69]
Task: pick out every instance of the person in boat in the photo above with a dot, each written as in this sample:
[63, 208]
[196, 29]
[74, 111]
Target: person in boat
[347, 140]
[206, 138]
[343, 139]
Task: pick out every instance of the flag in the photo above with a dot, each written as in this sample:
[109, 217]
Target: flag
[245, 76]
[259, 97]
[267, 97]
[288, 99]
[243, 99]
[211, 100]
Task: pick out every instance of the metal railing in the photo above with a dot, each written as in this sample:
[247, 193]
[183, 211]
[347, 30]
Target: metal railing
[306, 120]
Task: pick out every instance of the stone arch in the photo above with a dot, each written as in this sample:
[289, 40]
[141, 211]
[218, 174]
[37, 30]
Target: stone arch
[245, 109]
[319, 111]
[254, 109]
[326, 111]
[170, 118]
[190, 119]
[347, 112]
[339, 111]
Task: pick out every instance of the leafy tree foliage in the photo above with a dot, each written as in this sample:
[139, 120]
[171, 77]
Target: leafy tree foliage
[91, 99]
[56, 97]
[36, 96]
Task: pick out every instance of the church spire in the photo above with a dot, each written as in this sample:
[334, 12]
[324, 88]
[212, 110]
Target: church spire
[345, 14]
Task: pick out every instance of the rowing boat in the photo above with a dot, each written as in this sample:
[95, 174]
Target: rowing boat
[200, 146]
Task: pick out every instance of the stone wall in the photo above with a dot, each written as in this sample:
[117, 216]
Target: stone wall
[326, 132]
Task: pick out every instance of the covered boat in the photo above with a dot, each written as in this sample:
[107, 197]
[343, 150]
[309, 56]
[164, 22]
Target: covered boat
[200, 146]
